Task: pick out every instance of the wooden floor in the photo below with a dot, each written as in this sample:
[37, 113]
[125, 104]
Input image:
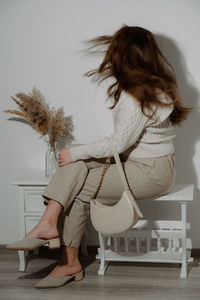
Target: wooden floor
[142, 281]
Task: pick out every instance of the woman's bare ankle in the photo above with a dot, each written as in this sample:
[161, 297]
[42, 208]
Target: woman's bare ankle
[45, 230]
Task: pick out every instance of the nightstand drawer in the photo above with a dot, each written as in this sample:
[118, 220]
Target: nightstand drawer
[33, 200]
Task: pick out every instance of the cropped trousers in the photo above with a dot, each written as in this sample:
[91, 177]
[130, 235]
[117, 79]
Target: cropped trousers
[72, 185]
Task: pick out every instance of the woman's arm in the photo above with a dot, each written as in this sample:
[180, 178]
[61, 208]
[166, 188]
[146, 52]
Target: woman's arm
[129, 122]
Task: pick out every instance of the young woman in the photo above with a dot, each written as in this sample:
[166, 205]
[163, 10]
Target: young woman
[146, 108]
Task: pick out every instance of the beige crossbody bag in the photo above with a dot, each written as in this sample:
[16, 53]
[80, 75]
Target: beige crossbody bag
[110, 220]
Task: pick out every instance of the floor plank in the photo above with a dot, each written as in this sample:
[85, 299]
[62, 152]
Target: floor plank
[122, 280]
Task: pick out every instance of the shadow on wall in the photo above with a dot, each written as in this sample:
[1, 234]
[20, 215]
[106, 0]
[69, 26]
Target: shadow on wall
[188, 133]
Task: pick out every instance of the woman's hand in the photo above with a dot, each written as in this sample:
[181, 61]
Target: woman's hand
[64, 157]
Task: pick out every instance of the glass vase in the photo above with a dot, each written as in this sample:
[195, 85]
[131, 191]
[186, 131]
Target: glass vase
[50, 163]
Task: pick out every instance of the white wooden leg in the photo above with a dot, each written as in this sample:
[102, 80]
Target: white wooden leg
[103, 263]
[22, 260]
[184, 258]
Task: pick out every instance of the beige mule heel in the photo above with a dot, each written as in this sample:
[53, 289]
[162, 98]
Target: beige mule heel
[54, 243]
[79, 276]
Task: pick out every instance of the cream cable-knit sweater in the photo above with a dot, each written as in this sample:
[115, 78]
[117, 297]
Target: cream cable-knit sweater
[134, 133]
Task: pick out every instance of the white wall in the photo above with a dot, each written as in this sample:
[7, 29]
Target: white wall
[40, 44]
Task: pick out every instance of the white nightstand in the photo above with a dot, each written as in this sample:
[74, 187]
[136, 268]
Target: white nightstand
[31, 207]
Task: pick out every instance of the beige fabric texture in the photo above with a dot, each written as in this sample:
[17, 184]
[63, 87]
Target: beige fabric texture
[72, 186]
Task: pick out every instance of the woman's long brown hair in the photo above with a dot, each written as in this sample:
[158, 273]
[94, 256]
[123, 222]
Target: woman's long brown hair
[133, 58]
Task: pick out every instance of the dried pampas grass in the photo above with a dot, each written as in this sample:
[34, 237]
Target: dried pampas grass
[50, 123]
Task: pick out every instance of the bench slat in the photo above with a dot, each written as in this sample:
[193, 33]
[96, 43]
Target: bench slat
[180, 192]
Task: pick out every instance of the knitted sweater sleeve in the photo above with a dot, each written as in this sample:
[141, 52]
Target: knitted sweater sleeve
[128, 123]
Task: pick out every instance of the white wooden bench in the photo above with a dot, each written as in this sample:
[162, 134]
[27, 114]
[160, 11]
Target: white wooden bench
[153, 241]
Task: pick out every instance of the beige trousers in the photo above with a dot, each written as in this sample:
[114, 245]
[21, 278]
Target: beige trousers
[72, 186]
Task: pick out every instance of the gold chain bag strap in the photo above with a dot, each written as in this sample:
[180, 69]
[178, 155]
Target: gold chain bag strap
[106, 166]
